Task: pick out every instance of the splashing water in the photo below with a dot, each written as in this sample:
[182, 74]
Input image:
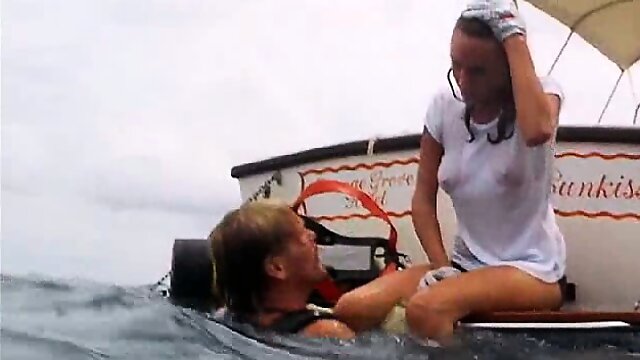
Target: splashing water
[56, 319]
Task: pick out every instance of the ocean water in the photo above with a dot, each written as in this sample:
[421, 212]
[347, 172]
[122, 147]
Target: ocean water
[61, 319]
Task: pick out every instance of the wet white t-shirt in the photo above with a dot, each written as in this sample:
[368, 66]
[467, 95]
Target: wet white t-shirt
[500, 192]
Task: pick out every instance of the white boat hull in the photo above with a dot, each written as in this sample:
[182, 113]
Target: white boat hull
[596, 195]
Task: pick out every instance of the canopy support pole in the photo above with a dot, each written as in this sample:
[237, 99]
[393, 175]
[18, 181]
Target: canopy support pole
[635, 99]
[566, 42]
[584, 17]
[611, 96]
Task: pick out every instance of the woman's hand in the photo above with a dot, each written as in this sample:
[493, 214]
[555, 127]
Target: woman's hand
[501, 15]
[537, 112]
[435, 275]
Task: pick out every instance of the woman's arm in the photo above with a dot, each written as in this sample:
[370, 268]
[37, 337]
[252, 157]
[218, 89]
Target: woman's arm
[537, 112]
[424, 204]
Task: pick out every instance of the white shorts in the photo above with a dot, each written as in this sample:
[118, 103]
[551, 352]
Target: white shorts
[462, 256]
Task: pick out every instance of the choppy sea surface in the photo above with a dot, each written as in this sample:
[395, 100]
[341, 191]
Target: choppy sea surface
[62, 319]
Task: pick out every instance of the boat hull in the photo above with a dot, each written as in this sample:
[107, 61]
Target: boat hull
[595, 189]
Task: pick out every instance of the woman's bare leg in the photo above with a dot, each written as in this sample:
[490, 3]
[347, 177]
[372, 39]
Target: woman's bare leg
[367, 306]
[432, 312]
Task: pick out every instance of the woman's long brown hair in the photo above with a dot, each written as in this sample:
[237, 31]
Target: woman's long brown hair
[506, 122]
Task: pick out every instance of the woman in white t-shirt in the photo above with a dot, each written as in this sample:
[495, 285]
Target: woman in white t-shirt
[491, 150]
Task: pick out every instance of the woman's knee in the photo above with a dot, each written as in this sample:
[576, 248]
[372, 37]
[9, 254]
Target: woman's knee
[423, 306]
[430, 315]
[351, 309]
[347, 305]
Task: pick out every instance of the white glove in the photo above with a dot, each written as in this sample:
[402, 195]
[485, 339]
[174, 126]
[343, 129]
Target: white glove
[501, 15]
[435, 275]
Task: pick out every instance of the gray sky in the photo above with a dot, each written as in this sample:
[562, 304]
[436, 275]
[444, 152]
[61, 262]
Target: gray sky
[122, 119]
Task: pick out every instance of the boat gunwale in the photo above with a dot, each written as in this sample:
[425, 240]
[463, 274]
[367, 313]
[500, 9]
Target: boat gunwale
[570, 134]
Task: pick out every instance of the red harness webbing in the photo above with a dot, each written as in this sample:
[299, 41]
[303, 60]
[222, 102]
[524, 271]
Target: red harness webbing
[328, 289]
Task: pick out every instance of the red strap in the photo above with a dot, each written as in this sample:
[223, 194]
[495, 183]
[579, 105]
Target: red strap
[391, 267]
[329, 290]
[326, 186]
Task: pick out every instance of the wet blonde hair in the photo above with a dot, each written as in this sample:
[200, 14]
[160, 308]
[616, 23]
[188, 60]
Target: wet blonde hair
[240, 243]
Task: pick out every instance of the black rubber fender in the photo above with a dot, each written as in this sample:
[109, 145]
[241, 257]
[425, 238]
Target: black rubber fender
[192, 273]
